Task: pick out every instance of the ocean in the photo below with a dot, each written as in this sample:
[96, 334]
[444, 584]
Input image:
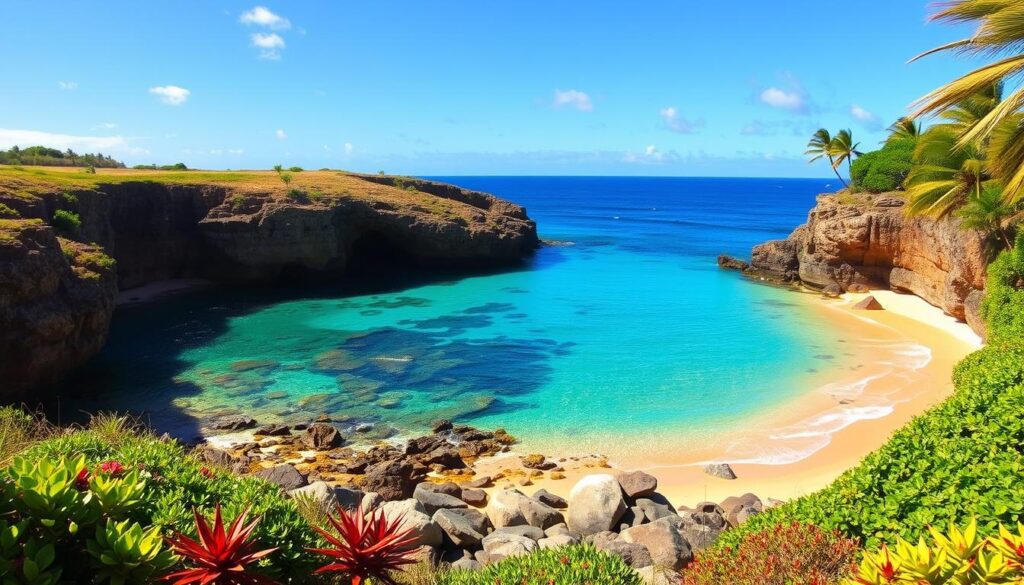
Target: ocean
[620, 328]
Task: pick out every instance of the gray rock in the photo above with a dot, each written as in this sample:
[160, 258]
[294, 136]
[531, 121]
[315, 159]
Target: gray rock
[503, 508]
[709, 514]
[447, 488]
[635, 555]
[474, 497]
[328, 496]
[653, 510]
[493, 542]
[637, 484]
[595, 504]
[477, 519]
[458, 528]
[560, 529]
[371, 501]
[274, 431]
[284, 475]
[467, 564]
[433, 501]
[321, 437]
[733, 505]
[663, 540]
[480, 482]
[531, 532]
[234, 423]
[721, 470]
[511, 549]
[557, 541]
[539, 514]
[550, 499]
[415, 519]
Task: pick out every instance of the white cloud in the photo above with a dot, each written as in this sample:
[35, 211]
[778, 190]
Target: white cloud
[281, 134]
[348, 148]
[262, 16]
[171, 95]
[106, 126]
[677, 123]
[67, 85]
[573, 98]
[269, 44]
[782, 99]
[236, 151]
[861, 114]
[650, 155]
[25, 138]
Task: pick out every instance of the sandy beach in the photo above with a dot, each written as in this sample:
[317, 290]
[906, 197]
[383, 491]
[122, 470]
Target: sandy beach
[904, 357]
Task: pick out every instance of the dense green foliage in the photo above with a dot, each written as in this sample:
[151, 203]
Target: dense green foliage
[51, 157]
[137, 488]
[962, 459]
[884, 169]
[66, 222]
[154, 167]
[571, 564]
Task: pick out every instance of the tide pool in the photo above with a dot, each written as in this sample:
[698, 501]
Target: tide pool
[622, 326]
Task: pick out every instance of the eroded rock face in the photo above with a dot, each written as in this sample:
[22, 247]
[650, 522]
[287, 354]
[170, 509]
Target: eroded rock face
[55, 305]
[874, 243]
[54, 314]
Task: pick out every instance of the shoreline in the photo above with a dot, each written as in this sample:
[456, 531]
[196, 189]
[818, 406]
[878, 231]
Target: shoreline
[852, 414]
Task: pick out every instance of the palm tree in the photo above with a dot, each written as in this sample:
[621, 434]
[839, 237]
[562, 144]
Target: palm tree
[992, 215]
[904, 129]
[1000, 33]
[820, 146]
[842, 148]
[944, 175]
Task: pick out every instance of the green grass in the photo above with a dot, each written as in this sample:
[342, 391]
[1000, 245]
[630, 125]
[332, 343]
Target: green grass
[580, 564]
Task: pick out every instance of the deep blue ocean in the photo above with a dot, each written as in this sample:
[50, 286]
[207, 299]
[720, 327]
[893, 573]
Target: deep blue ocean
[623, 328]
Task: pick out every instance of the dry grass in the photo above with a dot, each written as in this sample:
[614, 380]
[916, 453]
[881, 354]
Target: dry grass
[19, 429]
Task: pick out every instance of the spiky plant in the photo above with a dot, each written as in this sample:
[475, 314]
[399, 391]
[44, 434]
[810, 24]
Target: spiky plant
[366, 546]
[220, 556]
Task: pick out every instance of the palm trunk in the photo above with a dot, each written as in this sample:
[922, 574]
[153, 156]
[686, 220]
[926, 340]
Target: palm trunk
[832, 162]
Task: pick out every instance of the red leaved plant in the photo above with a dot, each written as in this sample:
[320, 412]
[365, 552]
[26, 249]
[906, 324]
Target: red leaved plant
[221, 556]
[370, 546]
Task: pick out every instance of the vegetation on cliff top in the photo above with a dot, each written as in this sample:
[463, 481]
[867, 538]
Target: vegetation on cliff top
[43, 156]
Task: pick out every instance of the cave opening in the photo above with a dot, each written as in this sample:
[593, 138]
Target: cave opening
[374, 252]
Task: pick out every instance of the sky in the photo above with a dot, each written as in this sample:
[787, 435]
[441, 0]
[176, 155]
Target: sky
[451, 87]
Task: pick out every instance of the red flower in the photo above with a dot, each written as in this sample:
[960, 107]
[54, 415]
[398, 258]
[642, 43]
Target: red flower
[114, 468]
[221, 556]
[368, 548]
[205, 472]
[82, 480]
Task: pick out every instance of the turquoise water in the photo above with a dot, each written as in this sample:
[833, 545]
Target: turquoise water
[623, 328]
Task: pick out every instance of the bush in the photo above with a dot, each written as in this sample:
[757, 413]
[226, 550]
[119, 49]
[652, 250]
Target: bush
[298, 195]
[571, 564]
[793, 554]
[1004, 296]
[66, 222]
[295, 169]
[134, 484]
[7, 212]
[959, 556]
[884, 169]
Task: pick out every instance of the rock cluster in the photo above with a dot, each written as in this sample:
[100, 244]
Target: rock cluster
[852, 246]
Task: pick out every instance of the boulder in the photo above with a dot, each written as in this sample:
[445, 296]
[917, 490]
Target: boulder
[474, 497]
[433, 501]
[234, 423]
[441, 426]
[869, 303]
[722, 470]
[273, 431]
[447, 488]
[321, 437]
[637, 484]
[557, 540]
[503, 508]
[663, 540]
[729, 263]
[458, 528]
[595, 504]
[414, 519]
[476, 519]
[539, 514]
[284, 475]
[733, 505]
[467, 564]
[393, 480]
[635, 555]
[550, 499]
[536, 461]
[495, 542]
[329, 497]
[653, 510]
[371, 501]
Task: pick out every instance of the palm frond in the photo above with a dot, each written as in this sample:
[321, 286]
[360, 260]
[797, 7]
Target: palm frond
[967, 86]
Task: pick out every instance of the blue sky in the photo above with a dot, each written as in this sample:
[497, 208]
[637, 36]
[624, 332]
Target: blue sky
[448, 87]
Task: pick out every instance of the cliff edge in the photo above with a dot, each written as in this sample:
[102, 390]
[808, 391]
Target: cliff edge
[854, 241]
[137, 227]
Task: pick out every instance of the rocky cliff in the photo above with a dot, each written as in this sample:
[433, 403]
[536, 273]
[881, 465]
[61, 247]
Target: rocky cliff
[855, 241]
[55, 304]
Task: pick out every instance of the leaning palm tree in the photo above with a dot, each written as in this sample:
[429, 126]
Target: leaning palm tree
[843, 148]
[945, 175]
[1000, 33]
[819, 147]
[904, 129]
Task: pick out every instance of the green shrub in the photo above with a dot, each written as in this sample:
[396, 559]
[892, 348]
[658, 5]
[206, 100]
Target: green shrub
[67, 223]
[89, 170]
[1004, 296]
[298, 196]
[793, 554]
[7, 212]
[137, 486]
[295, 169]
[572, 564]
[884, 169]
[69, 198]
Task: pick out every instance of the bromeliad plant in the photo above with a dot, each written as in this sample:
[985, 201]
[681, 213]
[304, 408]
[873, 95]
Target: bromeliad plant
[962, 557]
[367, 546]
[221, 556]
